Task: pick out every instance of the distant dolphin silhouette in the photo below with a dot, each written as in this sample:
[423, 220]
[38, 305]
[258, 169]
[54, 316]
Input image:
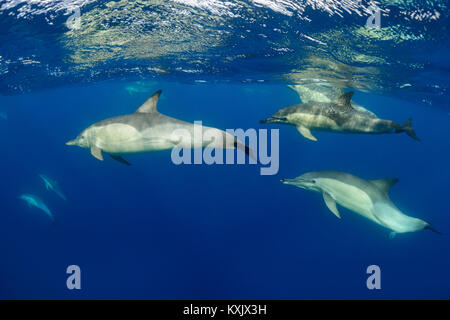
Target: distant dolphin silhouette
[52, 185]
[368, 198]
[148, 130]
[35, 201]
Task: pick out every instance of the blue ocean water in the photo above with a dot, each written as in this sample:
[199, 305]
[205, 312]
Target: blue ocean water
[156, 230]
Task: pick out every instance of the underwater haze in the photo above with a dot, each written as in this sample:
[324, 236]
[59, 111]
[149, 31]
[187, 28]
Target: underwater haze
[160, 230]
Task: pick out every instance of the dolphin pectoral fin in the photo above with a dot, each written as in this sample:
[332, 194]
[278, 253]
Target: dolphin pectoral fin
[392, 235]
[331, 204]
[304, 131]
[120, 159]
[97, 153]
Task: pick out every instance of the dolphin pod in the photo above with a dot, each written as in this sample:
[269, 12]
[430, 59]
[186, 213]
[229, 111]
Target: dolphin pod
[367, 198]
[148, 130]
[322, 109]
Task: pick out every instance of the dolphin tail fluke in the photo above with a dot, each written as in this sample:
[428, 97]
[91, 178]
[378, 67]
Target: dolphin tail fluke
[61, 195]
[245, 148]
[430, 227]
[408, 129]
[120, 159]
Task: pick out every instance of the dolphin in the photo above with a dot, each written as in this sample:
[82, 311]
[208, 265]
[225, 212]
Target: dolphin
[315, 92]
[139, 87]
[53, 185]
[35, 201]
[148, 130]
[336, 116]
[368, 198]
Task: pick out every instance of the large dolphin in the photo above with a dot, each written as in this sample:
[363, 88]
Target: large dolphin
[148, 130]
[53, 185]
[336, 116]
[35, 201]
[368, 198]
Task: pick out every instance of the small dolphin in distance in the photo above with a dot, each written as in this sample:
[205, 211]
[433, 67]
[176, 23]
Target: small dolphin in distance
[148, 130]
[140, 87]
[35, 201]
[336, 116]
[368, 198]
[53, 185]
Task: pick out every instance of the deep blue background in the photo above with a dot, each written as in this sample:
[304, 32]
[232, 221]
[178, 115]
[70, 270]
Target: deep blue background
[159, 231]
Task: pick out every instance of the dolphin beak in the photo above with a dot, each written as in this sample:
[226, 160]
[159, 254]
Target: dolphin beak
[273, 119]
[298, 182]
[71, 143]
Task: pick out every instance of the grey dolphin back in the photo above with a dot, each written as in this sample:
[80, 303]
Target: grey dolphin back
[150, 105]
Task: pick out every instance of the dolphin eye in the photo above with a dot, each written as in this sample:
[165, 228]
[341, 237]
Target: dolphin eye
[313, 181]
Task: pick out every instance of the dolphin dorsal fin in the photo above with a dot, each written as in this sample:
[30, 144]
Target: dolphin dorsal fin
[385, 184]
[149, 106]
[345, 100]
